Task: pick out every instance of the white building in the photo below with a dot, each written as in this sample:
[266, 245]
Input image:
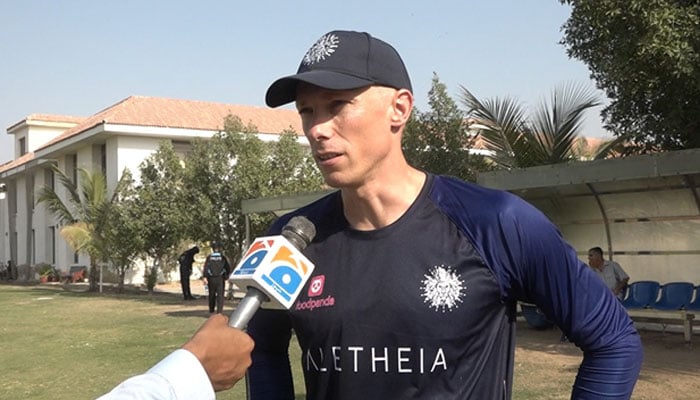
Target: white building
[120, 136]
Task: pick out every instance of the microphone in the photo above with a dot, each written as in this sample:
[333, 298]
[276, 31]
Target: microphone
[273, 270]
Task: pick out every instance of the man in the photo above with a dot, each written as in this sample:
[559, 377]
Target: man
[216, 271]
[11, 272]
[214, 359]
[186, 260]
[610, 272]
[417, 276]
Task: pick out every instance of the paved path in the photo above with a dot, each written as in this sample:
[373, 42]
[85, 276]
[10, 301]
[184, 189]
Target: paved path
[196, 287]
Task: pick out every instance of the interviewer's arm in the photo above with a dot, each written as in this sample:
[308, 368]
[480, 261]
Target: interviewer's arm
[223, 351]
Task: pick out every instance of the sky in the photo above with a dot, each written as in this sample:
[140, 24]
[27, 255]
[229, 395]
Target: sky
[78, 57]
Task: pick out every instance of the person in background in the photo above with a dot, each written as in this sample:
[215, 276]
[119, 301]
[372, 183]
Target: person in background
[417, 275]
[609, 271]
[11, 272]
[216, 272]
[186, 260]
[214, 359]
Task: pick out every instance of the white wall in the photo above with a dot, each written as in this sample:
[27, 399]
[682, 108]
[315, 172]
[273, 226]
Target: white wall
[131, 151]
[652, 235]
[21, 225]
[40, 135]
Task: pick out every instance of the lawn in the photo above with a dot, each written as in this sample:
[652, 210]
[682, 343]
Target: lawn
[59, 344]
[66, 344]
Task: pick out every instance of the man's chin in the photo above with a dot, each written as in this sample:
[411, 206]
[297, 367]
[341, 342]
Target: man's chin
[335, 181]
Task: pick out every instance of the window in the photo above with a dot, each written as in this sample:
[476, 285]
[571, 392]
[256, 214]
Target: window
[49, 179]
[76, 259]
[52, 244]
[22, 146]
[182, 148]
[72, 167]
[15, 199]
[33, 246]
[31, 193]
[103, 159]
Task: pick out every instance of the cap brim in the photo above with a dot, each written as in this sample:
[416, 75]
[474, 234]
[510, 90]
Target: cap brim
[284, 90]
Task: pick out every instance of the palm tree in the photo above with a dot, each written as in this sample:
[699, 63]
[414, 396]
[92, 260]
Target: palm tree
[549, 136]
[83, 215]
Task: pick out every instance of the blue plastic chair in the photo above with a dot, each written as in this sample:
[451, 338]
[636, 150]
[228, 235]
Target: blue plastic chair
[534, 317]
[695, 305]
[674, 296]
[641, 294]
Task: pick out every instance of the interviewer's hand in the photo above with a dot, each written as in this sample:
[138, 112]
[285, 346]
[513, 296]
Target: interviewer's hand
[223, 351]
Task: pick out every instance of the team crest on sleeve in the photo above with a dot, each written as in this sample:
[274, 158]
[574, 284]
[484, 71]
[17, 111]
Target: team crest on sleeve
[442, 288]
[322, 49]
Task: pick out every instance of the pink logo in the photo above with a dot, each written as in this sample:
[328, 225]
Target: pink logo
[316, 285]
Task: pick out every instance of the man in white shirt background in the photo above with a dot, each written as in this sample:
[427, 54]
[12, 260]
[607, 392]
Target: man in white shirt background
[609, 271]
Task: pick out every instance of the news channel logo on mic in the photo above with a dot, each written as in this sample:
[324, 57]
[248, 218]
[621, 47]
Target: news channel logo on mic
[273, 265]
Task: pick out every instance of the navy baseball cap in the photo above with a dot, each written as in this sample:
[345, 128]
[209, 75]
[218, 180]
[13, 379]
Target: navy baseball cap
[342, 60]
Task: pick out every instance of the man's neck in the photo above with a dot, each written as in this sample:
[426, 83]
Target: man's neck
[382, 202]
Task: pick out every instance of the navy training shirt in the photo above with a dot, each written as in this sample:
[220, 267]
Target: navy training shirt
[425, 307]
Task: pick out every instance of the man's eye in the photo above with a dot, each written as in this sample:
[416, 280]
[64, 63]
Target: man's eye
[336, 105]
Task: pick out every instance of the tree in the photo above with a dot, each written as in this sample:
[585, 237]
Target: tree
[215, 188]
[84, 213]
[123, 236]
[515, 140]
[159, 207]
[236, 165]
[645, 55]
[439, 140]
[292, 170]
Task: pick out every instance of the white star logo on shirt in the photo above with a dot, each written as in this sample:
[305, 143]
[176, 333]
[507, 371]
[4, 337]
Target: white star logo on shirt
[442, 288]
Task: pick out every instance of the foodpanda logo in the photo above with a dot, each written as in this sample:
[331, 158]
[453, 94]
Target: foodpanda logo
[316, 285]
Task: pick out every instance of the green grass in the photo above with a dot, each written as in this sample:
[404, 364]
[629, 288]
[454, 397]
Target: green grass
[58, 344]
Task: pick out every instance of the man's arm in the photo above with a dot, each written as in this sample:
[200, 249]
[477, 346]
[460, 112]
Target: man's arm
[214, 359]
[205, 266]
[270, 376]
[541, 268]
[621, 284]
[622, 278]
[224, 352]
[227, 268]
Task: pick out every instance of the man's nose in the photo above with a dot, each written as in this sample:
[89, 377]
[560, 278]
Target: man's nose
[319, 128]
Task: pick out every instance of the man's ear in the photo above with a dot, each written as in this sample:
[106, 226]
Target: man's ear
[403, 105]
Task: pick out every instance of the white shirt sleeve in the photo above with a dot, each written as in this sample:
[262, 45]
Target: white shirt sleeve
[179, 376]
[620, 273]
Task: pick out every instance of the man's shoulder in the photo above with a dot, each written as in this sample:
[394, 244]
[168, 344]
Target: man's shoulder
[478, 204]
[442, 187]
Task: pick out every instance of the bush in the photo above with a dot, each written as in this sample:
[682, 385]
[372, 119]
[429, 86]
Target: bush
[151, 278]
[48, 271]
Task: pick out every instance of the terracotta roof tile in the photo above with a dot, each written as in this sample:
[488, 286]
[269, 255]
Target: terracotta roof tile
[48, 118]
[24, 158]
[170, 113]
[54, 118]
[186, 114]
